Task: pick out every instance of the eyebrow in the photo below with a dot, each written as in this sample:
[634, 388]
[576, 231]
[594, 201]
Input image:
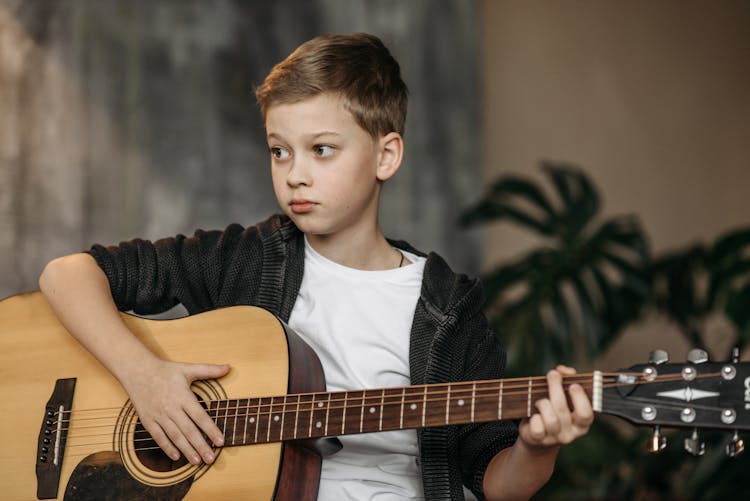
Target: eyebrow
[311, 137]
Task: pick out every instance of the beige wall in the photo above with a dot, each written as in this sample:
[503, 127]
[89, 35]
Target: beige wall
[651, 98]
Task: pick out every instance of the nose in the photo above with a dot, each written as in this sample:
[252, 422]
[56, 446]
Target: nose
[299, 174]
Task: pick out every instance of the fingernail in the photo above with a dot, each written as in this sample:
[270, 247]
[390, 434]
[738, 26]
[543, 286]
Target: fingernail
[175, 456]
[219, 441]
[196, 459]
[209, 457]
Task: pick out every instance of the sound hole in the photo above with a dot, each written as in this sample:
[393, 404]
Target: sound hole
[150, 454]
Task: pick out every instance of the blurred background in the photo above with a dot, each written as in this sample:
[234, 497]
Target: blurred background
[124, 119]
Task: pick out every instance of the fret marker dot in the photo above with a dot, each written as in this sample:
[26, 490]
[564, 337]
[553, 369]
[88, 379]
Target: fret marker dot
[318, 424]
[252, 420]
[320, 404]
[460, 402]
[276, 418]
[372, 410]
[413, 406]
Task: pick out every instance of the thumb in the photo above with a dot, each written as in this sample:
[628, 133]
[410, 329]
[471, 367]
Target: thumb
[205, 371]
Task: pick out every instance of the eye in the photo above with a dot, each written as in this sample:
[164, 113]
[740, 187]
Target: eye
[279, 153]
[324, 150]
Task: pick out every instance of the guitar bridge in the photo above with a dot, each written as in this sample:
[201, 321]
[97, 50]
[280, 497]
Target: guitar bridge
[52, 436]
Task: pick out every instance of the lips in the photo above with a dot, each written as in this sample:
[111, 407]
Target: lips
[301, 206]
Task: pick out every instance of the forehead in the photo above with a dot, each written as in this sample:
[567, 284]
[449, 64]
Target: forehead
[310, 116]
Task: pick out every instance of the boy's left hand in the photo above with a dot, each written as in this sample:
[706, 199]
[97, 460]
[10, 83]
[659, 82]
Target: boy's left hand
[555, 423]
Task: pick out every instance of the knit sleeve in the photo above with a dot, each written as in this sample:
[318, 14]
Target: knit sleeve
[479, 443]
[205, 271]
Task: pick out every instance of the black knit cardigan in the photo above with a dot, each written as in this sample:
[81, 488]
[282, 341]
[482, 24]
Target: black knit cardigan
[262, 265]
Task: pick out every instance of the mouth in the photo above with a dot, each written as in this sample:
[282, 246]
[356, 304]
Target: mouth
[300, 206]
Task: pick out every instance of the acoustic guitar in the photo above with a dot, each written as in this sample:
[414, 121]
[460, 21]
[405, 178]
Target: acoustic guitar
[71, 433]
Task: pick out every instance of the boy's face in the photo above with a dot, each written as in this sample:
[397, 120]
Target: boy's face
[325, 167]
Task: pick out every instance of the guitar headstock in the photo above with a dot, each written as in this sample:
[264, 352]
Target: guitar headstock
[698, 394]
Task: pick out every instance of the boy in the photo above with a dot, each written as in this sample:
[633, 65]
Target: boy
[334, 112]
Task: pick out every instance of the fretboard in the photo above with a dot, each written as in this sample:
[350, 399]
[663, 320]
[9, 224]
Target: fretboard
[312, 415]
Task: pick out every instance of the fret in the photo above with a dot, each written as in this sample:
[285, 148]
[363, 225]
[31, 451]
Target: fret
[328, 410]
[473, 399]
[424, 406]
[343, 414]
[270, 412]
[247, 413]
[500, 401]
[283, 415]
[234, 424]
[401, 414]
[382, 402]
[224, 421]
[448, 406]
[362, 413]
[296, 417]
[528, 400]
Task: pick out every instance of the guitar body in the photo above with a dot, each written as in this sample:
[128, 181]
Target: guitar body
[99, 459]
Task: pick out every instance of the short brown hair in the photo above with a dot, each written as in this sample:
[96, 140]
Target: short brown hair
[357, 66]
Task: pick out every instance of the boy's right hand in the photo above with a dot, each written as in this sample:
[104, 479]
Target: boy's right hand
[168, 409]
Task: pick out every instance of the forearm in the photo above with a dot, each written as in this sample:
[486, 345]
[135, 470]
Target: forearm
[518, 472]
[79, 294]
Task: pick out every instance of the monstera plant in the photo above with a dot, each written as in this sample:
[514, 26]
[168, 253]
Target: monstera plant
[569, 296]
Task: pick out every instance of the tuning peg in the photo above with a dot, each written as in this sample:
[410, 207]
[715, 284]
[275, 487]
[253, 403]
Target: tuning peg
[735, 446]
[657, 442]
[735, 355]
[697, 356]
[694, 445]
[657, 357]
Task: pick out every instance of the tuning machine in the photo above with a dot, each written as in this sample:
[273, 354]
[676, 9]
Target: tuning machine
[735, 446]
[657, 442]
[694, 445]
[697, 356]
[658, 357]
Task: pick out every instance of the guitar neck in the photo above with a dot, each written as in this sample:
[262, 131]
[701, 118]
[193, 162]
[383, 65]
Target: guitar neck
[314, 415]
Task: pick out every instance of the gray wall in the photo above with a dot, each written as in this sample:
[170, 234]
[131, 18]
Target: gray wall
[123, 119]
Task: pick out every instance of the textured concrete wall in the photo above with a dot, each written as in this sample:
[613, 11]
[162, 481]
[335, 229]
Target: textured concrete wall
[137, 118]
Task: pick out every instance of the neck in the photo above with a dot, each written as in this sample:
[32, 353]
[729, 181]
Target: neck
[313, 415]
[362, 250]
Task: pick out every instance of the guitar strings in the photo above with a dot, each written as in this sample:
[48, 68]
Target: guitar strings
[377, 400]
[369, 400]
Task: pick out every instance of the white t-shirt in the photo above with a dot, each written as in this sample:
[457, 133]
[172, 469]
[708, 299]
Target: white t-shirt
[359, 324]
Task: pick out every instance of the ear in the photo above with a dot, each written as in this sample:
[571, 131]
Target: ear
[391, 151]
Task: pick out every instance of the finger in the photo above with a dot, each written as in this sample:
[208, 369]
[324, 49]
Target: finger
[536, 429]
[205, 371]
[177, 437]
[200, 417]
[194, 437]
[161, 439]
[583, 414]
[550, 419]
[565, 370]
[557, 393]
